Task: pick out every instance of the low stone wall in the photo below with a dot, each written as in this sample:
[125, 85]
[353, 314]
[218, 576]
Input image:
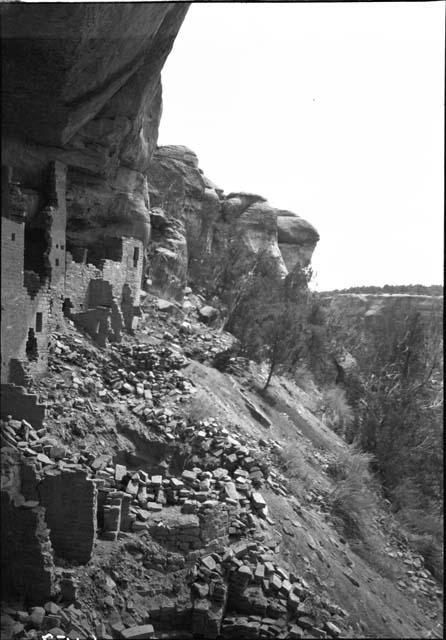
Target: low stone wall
[188, 532]
[182, 534]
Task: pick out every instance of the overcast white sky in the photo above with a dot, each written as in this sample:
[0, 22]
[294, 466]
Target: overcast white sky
[334, 111]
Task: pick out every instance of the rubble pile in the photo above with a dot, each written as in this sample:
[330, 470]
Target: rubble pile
[262, 599]
[52, 619]
[35, 444]
[187, 326]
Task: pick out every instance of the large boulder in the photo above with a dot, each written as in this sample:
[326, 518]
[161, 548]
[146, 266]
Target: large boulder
[297, 238]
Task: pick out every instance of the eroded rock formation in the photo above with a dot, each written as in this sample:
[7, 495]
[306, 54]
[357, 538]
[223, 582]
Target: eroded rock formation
[202, 235]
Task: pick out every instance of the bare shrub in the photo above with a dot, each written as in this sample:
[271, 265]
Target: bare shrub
[303, 378]
[338, 415]
[354, 504]
[431, 549]
[353, 500]
[293, 464]
[200, 408]
[296, 468]
[423, 522]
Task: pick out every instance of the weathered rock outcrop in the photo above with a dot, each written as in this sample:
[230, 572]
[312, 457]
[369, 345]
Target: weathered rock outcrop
[210, 238]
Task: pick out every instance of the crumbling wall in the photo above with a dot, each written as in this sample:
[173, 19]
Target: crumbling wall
[21, 405]
[183, 535]
[128, 271]
[214, 524]
[27, 560]
[20, 311]
[70, 501]
[56, 240]
[110, 283]
[188, 532]
[31, 300]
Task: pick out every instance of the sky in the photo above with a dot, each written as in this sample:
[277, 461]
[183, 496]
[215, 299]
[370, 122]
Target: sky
[332, 110]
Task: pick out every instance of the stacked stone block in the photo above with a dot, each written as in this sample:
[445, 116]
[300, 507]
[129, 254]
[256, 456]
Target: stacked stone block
[70, 501]
[27, 556]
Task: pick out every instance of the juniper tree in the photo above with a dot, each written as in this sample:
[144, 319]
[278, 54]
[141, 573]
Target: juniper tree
[269, 318]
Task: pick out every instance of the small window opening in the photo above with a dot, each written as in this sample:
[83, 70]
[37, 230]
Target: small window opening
[62, 246]
[57, 262]
[39, 322]
[57, 246]
[135, 256]
[31, 346]
[12, 236]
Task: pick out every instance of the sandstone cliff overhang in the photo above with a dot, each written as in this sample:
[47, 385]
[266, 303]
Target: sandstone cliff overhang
[63, 64]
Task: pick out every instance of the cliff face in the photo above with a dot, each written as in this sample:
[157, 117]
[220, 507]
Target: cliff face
[209, 238]
[378, 311]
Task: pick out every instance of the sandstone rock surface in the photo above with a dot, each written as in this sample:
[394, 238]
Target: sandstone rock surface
[211, 238]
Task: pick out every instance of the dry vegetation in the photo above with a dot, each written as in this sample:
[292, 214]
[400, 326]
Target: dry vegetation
[338, 415]
[201, 407]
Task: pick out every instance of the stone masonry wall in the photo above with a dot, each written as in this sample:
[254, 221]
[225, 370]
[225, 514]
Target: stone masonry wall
[21, 405]
[77, 278]
[70, 501]
[128, 271]
[19, 310]
[123, 278]
[26, 552]
[189, 532]
[28, 311]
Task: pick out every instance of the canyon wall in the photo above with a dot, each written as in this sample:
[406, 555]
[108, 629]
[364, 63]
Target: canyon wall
[378, 311]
